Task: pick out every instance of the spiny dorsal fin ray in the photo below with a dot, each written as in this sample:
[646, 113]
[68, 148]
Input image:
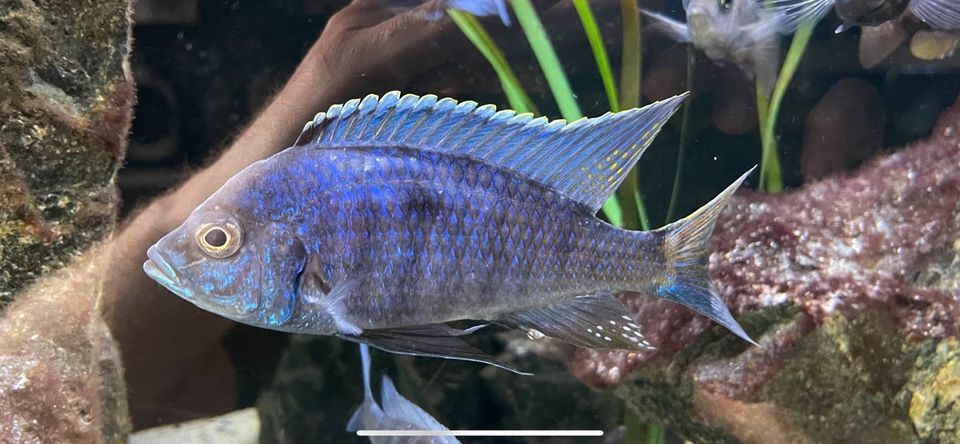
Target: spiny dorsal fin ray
[585, 160]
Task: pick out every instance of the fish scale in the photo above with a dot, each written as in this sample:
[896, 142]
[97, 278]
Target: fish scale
[392, 216]
[432, 204]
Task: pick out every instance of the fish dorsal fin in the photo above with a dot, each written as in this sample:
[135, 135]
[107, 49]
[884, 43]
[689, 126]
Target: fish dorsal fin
[792, 14]
[584, 160]
[940, 14]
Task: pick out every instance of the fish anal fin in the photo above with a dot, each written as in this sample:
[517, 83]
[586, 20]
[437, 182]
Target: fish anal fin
[433, 340]
[591, 321]
[584, 160]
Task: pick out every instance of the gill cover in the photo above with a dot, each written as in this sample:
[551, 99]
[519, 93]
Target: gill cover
[282, 262]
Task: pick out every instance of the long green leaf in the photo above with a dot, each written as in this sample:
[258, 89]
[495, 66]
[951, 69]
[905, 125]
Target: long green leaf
[547, 57]
[630, 86]
[473, 30]
[592, 31]
[770, 175]
[684, 136]
[632, 59]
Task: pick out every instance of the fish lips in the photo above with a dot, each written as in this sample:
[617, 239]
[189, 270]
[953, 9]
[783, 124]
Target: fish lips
[160, 270]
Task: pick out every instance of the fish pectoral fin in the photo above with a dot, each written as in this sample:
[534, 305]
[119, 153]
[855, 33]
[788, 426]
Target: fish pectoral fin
[592, 321]
[433, 340]
[673, 29]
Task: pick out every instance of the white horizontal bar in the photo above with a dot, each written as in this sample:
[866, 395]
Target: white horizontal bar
[479, 432]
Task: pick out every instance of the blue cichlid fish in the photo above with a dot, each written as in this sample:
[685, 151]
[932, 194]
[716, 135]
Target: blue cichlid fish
[391, 216]
[434, 9]
[939, 14]
[396, 413]
[734, 31]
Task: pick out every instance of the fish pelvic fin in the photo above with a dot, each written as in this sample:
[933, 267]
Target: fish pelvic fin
[686, 255]
[592, 321]
[584, 160]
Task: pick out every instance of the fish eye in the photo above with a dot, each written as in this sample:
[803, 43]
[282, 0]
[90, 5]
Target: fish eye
[220, 240]
[725, 4]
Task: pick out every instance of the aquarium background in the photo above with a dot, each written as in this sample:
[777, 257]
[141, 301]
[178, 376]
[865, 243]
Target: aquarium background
[204, 69]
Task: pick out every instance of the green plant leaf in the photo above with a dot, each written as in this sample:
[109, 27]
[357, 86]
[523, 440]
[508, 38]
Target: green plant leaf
[473, 30]
[592, 31]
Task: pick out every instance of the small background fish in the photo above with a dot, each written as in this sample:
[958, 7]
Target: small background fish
[434, 9]
[729, 31]
[395, 413]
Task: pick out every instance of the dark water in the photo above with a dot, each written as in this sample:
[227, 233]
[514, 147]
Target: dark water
[203, 75]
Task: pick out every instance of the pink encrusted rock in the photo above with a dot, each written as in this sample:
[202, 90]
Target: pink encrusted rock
[847, 283]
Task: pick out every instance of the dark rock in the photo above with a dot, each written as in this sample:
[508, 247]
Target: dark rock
[843, 130]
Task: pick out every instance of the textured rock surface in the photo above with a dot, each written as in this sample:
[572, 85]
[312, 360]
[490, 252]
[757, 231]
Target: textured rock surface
[849, 284]
[60, 374]
[65, 100]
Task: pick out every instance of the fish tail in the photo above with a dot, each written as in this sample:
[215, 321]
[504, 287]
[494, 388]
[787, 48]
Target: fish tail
[686, 255]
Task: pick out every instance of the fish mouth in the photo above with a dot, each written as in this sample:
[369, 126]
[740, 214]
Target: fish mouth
[159, 269]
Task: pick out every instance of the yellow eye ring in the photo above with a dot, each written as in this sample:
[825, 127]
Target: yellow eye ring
[220, 240]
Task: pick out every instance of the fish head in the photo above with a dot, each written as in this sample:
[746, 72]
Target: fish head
[869, 12]
[236, 267]
[714, 24]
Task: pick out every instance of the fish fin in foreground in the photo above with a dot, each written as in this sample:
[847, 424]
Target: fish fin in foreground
[434, 340]
[584, 160]
[940, 14]
[673, 29]
[686, 254]
[368, 411]
[396, 406]
[792, 14]
[591, 321]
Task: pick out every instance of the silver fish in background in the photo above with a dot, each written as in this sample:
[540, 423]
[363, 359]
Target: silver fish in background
[938, 14]
[434, 9]
[390, 217]
[734, 31]
[394, 413]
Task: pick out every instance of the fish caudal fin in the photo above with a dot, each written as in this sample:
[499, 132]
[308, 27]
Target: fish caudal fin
[686, 254]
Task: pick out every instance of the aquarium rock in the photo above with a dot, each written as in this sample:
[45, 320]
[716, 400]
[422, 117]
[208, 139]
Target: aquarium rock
[850, 286]
[65, 104]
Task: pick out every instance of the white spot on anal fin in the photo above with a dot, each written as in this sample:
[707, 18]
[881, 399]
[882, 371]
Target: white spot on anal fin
[535, 334]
